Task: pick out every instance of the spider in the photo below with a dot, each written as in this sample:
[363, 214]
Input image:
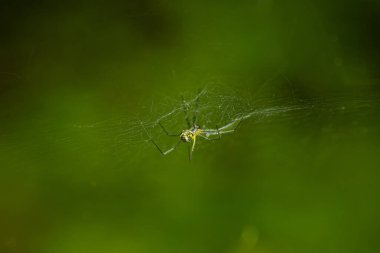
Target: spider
[190, 134]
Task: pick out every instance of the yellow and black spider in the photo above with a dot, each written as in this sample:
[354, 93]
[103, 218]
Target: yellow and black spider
[194, 130]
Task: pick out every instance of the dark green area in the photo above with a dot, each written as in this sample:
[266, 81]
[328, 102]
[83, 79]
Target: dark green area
[306, 181]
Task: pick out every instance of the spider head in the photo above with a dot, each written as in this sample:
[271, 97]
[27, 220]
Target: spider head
[187, 136]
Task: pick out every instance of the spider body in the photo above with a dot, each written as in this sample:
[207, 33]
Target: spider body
[189, 135]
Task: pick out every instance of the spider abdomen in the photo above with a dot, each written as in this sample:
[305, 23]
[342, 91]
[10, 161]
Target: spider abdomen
[187, 136]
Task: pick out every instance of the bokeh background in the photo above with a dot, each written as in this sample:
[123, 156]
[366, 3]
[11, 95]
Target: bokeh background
[301, 182]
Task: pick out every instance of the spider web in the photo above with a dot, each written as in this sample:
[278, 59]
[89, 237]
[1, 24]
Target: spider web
[223, 108]
[215, 107]
[212, 108]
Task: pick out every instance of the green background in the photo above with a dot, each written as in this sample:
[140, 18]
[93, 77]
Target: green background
[304, 182]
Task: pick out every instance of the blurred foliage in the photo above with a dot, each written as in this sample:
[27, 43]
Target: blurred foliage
[307, 182]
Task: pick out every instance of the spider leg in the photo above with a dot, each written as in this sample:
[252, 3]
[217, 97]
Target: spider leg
[192, 149]
[212, 139]
[156, 145]
[219, 136]
[166, 132]
[167, 151]
[196, 106]
[186, 112]
[238, 124]
[222, 130]
[195, 118]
